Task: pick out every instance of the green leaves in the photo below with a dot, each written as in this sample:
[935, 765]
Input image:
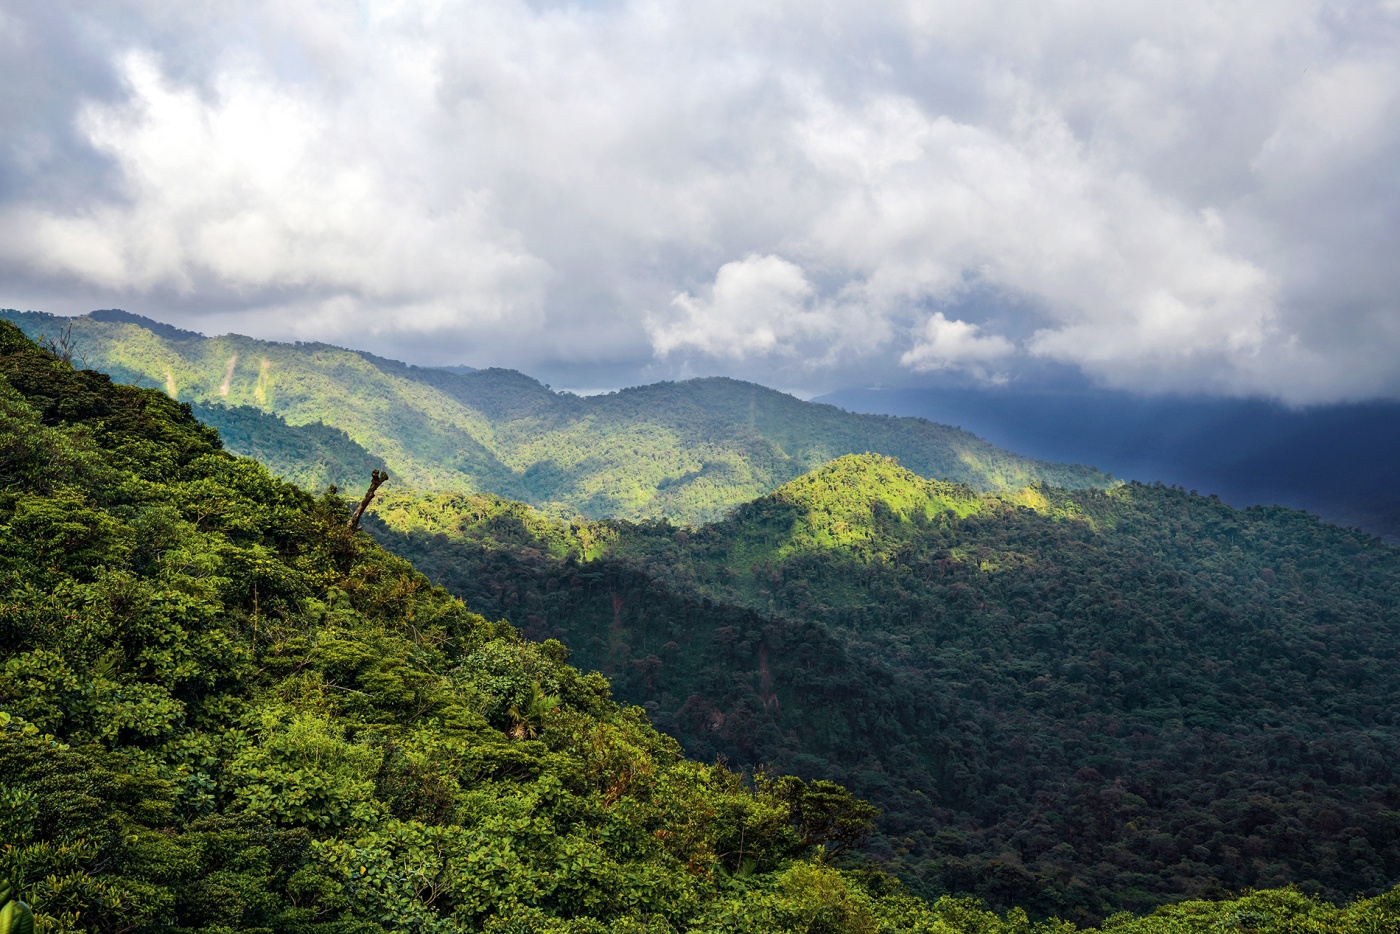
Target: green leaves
[301, 769]
[822, 813]
[15, 916]
[59, 535]
[527, 716]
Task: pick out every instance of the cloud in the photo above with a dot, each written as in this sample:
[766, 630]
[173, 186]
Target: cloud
[1121, 277]
[257, 192]
[764, 307]
[1195, 198]
[756, 306]
[942, 344]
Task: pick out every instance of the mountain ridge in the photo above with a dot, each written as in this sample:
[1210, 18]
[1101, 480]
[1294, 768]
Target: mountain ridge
[687, 451]
[1334, 460]
[223, 708]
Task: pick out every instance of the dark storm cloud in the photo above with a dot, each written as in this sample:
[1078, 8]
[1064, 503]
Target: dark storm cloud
[1197, 198]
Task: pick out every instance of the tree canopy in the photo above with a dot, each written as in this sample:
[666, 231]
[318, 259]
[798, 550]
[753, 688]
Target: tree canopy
[686, 451]
[223, 709]
[1075, 702]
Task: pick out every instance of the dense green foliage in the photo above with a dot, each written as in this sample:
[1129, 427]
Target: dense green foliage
[1078, 702]
[221, 709]
[16, 917]
[313, 456]
[687, 451]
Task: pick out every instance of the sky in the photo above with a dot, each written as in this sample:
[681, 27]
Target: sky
[1197, 197]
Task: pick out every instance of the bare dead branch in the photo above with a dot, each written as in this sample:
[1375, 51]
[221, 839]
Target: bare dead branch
[375, 481]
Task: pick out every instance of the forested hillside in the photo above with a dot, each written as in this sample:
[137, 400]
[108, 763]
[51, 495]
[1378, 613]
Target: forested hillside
[224, 709]
[1078, 702]
[687, 451]
[1337, 461]
[313, 456]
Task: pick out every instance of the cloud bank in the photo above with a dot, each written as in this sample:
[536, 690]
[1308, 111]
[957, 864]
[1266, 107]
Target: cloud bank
[1199, 198]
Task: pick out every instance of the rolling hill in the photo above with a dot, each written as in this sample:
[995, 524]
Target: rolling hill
[1076, 701]
[685, 451]
[1337, 460]
[222, 708]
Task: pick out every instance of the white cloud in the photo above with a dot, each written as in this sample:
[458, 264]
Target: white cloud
[942, 344]
[756, 306]
[1194, 197]
[765, 307]
[256, 190]
[1122, 276]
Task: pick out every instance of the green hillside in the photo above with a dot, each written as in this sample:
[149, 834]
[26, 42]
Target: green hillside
[313, 456]
[1078, 702]
[222, 709]
[686, 451]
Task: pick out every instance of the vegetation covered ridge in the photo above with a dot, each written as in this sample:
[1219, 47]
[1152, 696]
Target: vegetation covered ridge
[684, 451]
[1078, 702]
[222, 709]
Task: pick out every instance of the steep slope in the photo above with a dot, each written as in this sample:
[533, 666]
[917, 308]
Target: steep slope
[685, 451]
[222, 709]
[313, 456]
[1076, 701]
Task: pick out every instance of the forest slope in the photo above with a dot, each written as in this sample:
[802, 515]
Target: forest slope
[1337, 461]
[222, 709]
[1075, 701]
[313, 456]
[687, 451]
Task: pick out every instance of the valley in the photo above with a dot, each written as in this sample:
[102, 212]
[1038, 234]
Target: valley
[1120, 705]
[1080, 702]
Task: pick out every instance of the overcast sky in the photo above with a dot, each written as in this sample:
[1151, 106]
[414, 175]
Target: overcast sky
[1195, 196]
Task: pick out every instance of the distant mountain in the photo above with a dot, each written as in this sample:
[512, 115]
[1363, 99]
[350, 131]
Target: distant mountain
[168, 331]
[1338, 461]
[1079, 702]
[686, 451]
